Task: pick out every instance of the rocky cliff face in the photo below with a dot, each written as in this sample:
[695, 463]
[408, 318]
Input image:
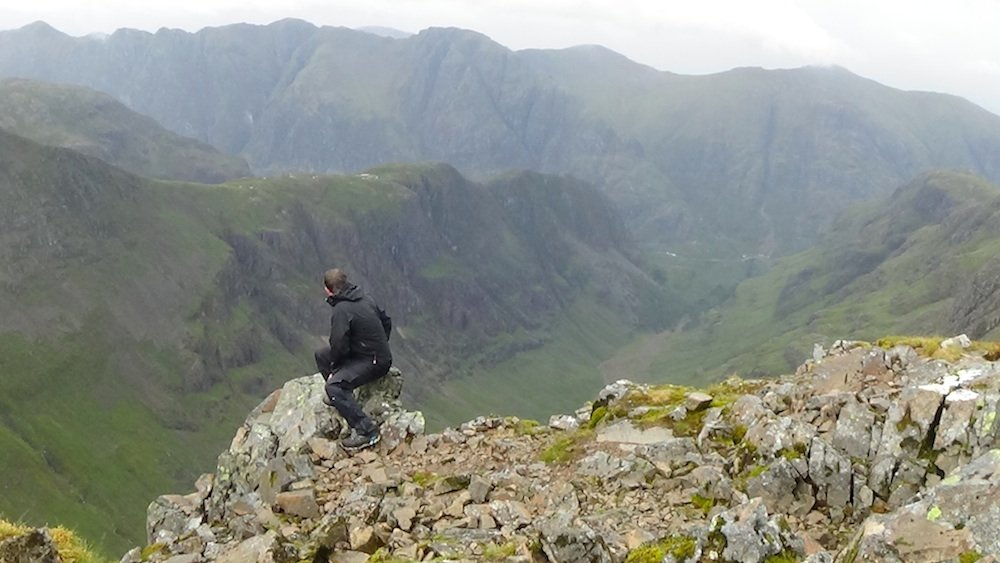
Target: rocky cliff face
[865, 454]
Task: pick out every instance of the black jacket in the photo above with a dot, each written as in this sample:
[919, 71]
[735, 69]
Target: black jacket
[358, 327]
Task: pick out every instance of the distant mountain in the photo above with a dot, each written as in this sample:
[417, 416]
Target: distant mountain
[98, 125]
[141, 319]
[742, 162]
[923, 261]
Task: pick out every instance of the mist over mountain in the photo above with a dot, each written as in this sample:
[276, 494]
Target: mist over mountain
[742, 161]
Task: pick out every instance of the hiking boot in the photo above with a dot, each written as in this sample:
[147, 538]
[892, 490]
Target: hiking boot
[327, 401]
[357, 441]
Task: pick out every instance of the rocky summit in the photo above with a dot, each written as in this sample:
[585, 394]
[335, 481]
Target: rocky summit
[866, 453]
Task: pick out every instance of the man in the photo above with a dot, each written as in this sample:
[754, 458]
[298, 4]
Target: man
[358, 354]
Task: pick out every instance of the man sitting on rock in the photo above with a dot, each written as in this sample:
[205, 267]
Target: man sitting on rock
[358, 354]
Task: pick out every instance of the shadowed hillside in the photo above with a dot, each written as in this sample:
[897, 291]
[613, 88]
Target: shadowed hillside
[148, 316]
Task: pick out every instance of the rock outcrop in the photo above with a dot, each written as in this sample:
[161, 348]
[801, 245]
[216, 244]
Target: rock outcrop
[865, 454]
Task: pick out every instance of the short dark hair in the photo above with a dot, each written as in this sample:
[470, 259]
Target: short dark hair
[335, 279]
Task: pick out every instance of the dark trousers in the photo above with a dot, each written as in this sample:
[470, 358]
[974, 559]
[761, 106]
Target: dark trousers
[343, 379]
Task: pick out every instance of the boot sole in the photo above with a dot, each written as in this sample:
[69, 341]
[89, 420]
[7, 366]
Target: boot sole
[364, 446]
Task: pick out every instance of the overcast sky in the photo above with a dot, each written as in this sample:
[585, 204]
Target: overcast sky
[948, 46]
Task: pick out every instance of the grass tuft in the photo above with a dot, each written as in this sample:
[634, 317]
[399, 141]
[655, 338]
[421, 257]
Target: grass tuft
[678, 547]
[70, 547]
[566, 448]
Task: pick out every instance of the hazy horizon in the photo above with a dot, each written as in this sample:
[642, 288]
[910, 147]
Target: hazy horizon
[946, 47]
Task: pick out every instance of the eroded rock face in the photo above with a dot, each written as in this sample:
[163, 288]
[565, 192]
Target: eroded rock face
[748, 471]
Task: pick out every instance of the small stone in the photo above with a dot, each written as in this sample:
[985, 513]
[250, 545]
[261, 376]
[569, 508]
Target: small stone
[696, 401]
[457, 507]
[299, 503]
[404, 517]
[377, 475]
[486, 522]
[409, 552]
[134, 555]
[204, 485]
[960, 341]
[451, 483]
[364, 540]
[266, 517]
[564, 422]
[479, 488]
[635, 538]
[325, 449]
[349, 557]
[257, 548]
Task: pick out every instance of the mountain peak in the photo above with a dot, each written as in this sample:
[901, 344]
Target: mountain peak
[454, 33]
[41, 29]
[742, 471]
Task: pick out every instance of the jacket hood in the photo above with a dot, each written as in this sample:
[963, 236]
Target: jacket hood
[349, 293]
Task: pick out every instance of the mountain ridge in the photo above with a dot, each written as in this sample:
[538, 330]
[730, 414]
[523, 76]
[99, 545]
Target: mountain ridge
[295, 97]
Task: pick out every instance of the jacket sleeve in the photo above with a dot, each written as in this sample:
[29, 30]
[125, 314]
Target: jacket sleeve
[386, 321]
[340, 343]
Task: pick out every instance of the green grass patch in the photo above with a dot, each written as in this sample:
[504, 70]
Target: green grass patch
[566, 448]
[424, 478]
[705, 504]
[930, 347]
[494, 552]
[558, 376]
[527, 427]
[797, 451]
[786, 556]
[678, 547]
[597, 416]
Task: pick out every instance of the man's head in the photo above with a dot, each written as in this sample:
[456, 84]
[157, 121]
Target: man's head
[334, 280]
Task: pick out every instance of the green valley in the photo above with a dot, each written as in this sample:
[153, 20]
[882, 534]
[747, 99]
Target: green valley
[922, 261]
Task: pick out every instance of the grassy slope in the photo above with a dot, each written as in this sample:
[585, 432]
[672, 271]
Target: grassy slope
[555, 378]
[114, 280]
[98, 125]
[92, 394]
[88, 369]
[898, 273]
